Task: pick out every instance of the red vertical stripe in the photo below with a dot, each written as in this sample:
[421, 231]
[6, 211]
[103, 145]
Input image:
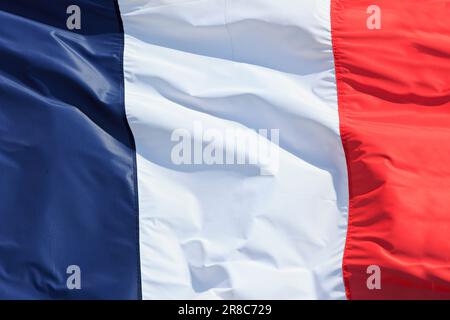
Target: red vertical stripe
[394, 102]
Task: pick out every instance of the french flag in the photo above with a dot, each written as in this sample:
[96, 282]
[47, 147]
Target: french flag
[225, 149]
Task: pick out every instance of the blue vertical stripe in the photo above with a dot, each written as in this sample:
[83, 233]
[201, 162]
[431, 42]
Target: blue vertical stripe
[68, 193]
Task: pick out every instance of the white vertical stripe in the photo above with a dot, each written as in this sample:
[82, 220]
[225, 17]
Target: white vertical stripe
[225, 231]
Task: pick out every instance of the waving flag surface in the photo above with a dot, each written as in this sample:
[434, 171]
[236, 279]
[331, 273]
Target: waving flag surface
[224, 149]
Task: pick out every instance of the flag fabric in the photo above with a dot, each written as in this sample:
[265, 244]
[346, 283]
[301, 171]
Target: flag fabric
[224, 149]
